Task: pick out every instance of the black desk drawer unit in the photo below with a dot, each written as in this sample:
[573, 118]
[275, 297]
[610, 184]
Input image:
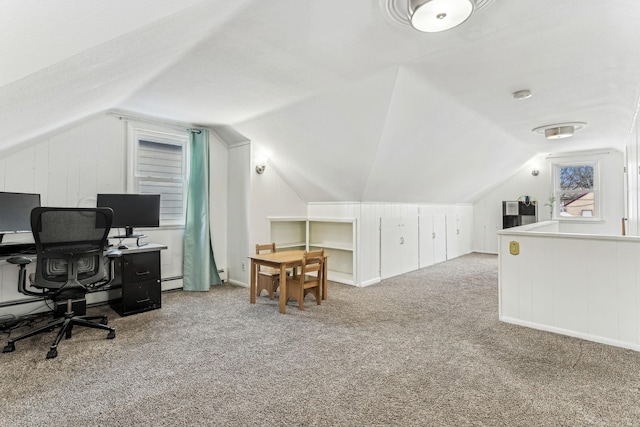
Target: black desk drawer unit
[140, 278]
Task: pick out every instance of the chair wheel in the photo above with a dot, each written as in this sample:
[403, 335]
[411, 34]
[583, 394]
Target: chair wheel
[112, 335]
[52, 353]
[9, 348]
[103, 321]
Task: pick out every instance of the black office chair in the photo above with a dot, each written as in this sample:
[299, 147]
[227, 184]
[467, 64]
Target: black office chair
[70, 244]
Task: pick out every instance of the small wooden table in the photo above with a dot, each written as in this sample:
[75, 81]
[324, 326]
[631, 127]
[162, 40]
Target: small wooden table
[282, 261]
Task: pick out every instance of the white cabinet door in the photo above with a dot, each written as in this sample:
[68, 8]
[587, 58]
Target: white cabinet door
[452, 236]
[439, 238]
[390, 254]
[410, 244]
[398, 245]
[425, 240]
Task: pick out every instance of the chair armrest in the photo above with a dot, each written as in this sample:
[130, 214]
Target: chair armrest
[111, 275]
[114, 253]
[19, 260]
[22, 276]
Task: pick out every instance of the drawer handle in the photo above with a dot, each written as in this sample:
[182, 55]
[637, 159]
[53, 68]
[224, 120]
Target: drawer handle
[143, 300]
[142, 273]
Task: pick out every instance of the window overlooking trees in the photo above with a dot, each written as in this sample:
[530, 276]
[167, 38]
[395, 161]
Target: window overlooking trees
[576, 191]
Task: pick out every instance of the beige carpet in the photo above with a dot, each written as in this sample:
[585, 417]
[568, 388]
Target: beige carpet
[422, 349]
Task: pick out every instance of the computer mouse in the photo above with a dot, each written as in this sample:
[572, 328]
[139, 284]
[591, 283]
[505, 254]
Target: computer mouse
[123, 247]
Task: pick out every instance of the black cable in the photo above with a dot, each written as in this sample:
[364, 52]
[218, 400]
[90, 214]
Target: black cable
[29, 320]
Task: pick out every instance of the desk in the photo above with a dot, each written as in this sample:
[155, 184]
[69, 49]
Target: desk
[136, 286]
[281, 261]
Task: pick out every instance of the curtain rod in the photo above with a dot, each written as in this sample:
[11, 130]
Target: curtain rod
[581, 153]
[178, 125]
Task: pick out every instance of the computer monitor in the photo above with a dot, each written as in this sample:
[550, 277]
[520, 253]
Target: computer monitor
[132, 210]
[15, 212]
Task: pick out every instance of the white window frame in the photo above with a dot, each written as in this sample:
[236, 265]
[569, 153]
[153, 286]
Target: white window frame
[597, 193]
[164, 135]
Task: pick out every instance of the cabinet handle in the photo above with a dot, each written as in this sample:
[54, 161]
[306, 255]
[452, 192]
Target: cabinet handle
[402, 240]
[142, 273]
[433, 235]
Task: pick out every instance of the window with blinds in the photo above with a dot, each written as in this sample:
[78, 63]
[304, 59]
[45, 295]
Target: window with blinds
[160, 167]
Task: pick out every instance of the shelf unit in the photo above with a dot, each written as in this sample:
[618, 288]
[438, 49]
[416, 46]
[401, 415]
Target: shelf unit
[288, 232]
[518, 213]
[337, 236]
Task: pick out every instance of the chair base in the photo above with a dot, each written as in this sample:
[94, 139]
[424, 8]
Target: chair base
[66, 325]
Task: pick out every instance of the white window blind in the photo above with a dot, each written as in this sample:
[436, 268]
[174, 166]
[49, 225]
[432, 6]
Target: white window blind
[160, 167]
[160, 160]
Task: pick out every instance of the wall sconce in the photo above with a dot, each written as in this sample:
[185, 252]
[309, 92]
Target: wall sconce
[261, 165]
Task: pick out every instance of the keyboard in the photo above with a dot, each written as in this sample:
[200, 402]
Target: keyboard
[13, 249]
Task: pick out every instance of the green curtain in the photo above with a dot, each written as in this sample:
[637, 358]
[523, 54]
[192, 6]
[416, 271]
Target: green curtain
[199, 265]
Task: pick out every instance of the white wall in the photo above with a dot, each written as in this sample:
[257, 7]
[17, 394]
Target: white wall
[67, 168]
[253, 198]
[239, 221]
[633, 180]
[71, 166]
[270, 196]
[488, 209]
[219, 176]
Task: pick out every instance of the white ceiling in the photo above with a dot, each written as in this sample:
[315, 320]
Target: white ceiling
[349, 104]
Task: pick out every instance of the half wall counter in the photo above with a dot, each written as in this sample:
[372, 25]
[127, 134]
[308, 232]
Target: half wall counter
[581, 285]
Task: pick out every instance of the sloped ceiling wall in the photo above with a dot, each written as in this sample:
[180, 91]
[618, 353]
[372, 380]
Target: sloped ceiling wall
[350, 105]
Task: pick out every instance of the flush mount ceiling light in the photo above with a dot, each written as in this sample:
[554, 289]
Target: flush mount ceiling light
[431, 16]
[559, 130]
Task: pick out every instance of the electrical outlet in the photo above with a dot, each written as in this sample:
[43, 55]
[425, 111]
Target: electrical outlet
[244, 266]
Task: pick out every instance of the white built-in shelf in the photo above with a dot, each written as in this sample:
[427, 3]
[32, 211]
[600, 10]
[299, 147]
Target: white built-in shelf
[337, 236]
[337, 276]
[294, 245]
[332, 245]
[288, 232]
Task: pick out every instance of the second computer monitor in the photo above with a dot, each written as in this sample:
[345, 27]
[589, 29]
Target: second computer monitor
[15, 212]
[132, 210]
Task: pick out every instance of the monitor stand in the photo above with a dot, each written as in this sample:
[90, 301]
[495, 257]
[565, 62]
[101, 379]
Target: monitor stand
[129, 235]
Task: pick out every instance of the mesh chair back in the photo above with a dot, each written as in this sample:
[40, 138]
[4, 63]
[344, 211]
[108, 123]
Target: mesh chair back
[69, 245]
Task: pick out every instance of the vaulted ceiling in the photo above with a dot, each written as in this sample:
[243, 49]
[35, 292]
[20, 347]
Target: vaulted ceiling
[348, 103]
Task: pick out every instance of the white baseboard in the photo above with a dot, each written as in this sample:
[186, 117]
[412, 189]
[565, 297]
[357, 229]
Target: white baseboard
[568, 332]
[370, 282]
[237, 283]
